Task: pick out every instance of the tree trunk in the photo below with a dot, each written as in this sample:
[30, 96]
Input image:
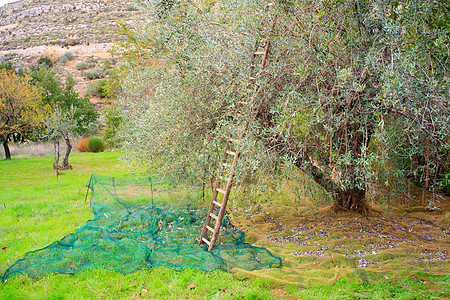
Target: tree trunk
[6, 147]
[351, 199]
[56, 165]
[65, 163]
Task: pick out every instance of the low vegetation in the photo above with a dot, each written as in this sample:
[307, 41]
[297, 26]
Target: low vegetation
[41, 208]
[91, 145]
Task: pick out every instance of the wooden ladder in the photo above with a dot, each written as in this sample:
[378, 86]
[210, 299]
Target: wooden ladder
[224, 181]
[223, 186]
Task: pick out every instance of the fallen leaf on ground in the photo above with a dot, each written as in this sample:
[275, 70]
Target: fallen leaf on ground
[4, 249]
[191, 286]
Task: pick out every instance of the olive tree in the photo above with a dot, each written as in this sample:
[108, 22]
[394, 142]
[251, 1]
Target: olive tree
[342, 77]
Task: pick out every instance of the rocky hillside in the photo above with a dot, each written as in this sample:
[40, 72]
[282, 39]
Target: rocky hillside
[28, 23]
[76, 36]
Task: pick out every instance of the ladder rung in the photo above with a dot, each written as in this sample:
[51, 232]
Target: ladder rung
[210, 228]
[214, 216]
[259, 53]
[252, 78]
[206, 241]
[231, 153]
[220, 191]
[217, 203]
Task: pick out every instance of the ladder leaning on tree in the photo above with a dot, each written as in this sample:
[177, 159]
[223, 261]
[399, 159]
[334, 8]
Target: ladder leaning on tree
[226, 170]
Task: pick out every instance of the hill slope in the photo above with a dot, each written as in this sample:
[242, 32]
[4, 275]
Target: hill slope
[28, 23]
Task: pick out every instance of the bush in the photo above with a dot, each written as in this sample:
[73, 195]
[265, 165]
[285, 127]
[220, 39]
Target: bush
[83, 145]
[45, 62]
[91, 145]
[7, 65]
[101, 89]
[91, 74]
[66, 57]
[107, 64]
[96, 145]
[90, 89]
[82, 65]
[108, 72]
[72, 42]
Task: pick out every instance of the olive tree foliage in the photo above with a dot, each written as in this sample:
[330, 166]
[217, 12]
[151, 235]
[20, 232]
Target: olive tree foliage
[347, 82]
[174, 87]
[62, 96]
[63, 123]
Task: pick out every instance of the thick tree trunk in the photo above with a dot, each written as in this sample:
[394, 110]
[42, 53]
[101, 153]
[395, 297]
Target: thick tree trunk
[65, 163]
[6, 147]
[351, 199]
[56, 165]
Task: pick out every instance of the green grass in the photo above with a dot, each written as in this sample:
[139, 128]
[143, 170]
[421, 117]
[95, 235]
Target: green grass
[36, 210]
[421, 286]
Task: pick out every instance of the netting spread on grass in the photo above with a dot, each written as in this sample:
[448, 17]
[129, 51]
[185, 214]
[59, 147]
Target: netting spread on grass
[140, 223]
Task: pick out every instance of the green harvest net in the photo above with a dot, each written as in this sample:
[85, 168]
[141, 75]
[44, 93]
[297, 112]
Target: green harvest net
[140, 223]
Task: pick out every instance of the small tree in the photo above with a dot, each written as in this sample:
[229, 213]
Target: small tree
[64, 97]
[20, 107]
[60, 125]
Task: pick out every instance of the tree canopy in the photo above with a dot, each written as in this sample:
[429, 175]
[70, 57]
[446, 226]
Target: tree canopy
[63, 97]
[20, 107]
[348, 84]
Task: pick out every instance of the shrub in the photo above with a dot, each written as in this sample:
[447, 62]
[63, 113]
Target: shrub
[66, 57]
[108, 72]
[101, 88]
[91, 74]
[45, 62]
[83, 145]
[91, 145]
[7, 65]
[72, 42]
[96, 145]
[90, 89]
[82, 65]
[107, 64]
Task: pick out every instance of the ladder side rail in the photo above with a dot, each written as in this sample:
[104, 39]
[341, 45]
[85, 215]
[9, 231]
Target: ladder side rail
[224, 203]
[214, 196]
[206, 227]
[208, 216]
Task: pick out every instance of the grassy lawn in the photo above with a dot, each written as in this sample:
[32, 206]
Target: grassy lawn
[37, 210]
